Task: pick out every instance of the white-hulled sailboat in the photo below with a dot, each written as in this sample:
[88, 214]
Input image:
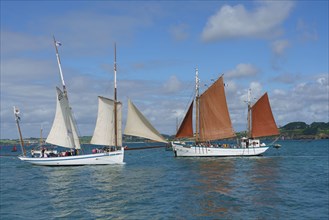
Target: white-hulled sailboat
[213, 123]
[64, 133]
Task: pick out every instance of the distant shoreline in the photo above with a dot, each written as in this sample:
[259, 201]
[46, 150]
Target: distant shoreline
[8, 143]
[291, 131]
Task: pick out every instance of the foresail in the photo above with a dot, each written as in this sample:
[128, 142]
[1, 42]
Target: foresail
[63, 131]
[138, 125]
[263, 123]
[186, 127]
[215, 122]
[104, 133]
[75, 132]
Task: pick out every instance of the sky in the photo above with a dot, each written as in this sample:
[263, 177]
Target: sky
[278, 47]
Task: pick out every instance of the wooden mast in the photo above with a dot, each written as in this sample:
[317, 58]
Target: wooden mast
[249, 114]
[115, 97]
[41, 136]
[56, 44]
[17, 118]
[197, 104]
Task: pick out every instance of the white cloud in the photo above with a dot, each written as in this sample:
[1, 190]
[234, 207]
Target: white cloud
[323, 81]
[24, 69]
[279, 92]
[236, 21]
[242, 70]
[306, 101]
[29, 70]
[172, 85]
[287, 78]
[278, 49]
[279, 46]
[13, 42]
[306, 31]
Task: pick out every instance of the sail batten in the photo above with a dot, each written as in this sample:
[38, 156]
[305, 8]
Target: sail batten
[104, 133]
[138, 125]
[215, 122]
[263, 123]
[186, 127]
[63, 131]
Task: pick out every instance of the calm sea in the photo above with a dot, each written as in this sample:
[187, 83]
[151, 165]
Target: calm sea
[289, 183]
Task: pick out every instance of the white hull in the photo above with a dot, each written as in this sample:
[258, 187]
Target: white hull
[196, 151]
[115, 157]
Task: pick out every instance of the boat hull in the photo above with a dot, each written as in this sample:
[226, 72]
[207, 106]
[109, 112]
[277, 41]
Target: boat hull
[196, 151]
[105, 158]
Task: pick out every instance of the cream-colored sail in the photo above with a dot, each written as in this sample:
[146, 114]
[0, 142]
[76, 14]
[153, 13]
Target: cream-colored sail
[63, 132]
[138, 125]
[104, 133]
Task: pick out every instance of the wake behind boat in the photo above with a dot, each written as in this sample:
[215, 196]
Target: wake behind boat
[213, 123]
[64, 134]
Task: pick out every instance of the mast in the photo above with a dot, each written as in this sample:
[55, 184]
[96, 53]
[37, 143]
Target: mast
[197, 104]
[41, 136]
[17, 118]
[70, 127]
[249, 114]
[56, 44]
[115, 96]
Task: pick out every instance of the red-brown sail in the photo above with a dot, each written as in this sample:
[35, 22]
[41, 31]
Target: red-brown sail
[186, 128]
[263, 123]
[215, 122]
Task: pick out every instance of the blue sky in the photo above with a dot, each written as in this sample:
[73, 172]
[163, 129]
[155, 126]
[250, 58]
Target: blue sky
[279, 47]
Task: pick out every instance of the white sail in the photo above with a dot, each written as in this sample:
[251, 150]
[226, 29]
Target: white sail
[63, 132]
[138, 125]
[104, 130]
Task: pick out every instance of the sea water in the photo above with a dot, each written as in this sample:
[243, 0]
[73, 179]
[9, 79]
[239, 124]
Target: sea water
[287, 183]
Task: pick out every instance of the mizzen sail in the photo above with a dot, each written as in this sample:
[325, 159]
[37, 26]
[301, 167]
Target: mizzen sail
[186, 127]
[104, 133]
[138, 125]
[263, 123]
[63, 131]
[215, 122]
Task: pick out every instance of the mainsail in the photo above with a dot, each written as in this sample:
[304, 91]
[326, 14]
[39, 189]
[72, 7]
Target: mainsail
[104, 133]
[186, 127]
[138, 125]
[64, 131]
[263, 123]
[214, 118]
[215, 122]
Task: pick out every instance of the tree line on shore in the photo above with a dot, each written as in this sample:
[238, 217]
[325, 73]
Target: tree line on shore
[292, 130]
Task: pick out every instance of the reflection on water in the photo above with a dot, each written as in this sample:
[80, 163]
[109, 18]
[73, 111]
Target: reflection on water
[91, 188]
[291, 183]
[105, 183]
[229, 186]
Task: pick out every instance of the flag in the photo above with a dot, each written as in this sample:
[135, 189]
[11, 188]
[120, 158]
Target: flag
[58, 43]
[16, 112]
